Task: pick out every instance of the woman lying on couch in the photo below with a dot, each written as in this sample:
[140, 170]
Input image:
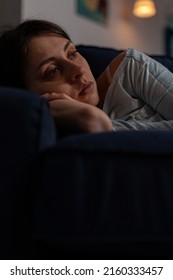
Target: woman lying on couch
[134, 92]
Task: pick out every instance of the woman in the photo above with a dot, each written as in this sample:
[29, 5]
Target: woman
[133, 93]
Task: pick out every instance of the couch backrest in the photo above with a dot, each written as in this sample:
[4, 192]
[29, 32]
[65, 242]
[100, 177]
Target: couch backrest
[99, 57]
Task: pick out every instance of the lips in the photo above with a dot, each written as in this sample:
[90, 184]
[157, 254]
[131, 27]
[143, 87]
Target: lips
[86, 88]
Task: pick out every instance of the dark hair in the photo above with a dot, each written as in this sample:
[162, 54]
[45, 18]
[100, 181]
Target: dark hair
[13, 48]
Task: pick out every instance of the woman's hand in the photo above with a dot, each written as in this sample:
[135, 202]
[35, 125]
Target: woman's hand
[50, 96]
[73, 116]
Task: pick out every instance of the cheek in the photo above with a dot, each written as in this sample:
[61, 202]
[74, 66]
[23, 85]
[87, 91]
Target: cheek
[42, 88]
[86, 66]
[90, 72]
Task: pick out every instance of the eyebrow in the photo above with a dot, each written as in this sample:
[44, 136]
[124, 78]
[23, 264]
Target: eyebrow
[52, 58]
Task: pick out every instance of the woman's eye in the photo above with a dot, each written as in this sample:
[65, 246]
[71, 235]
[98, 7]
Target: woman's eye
[73, 54]
[51, 72]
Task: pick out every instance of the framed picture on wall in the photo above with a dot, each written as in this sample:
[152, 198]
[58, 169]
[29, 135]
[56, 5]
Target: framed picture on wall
[93, 9]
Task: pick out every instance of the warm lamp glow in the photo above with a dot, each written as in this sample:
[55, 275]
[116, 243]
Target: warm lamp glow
[144, 8]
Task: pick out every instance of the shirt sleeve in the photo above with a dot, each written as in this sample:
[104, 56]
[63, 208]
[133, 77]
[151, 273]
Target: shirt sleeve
[152, 83]
[121, 125]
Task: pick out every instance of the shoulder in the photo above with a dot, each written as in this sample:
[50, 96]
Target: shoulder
[115, 63]
[105, 79]
[112, 67]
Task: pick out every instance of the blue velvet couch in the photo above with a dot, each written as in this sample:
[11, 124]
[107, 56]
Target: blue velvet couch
[104, 195]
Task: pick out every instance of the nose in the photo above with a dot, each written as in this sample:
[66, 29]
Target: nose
[74, 71]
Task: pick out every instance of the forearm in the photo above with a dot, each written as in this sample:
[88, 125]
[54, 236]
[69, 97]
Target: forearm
[76, 117]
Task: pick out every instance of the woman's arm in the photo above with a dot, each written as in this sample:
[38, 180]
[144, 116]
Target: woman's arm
[121, 125]
[72, 116]
[152, 83]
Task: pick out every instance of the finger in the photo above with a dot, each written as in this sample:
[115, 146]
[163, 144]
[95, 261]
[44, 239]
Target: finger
[61, 96]
[50, 96]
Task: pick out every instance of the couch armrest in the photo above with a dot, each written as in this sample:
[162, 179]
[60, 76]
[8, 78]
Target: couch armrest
[26, 129]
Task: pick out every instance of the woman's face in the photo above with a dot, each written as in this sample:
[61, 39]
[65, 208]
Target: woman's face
[53, 66]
